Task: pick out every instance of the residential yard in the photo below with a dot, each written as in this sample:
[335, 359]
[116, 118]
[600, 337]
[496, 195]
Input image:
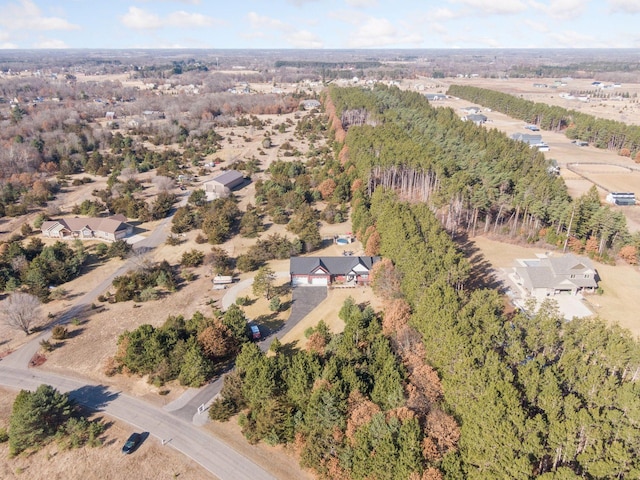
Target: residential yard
[620, 283]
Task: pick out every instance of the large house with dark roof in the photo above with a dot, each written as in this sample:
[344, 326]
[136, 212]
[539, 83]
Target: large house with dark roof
[324, 271]
[546, 275]
[93, 228]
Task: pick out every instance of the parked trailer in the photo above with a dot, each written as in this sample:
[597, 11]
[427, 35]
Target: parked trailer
[222, 279]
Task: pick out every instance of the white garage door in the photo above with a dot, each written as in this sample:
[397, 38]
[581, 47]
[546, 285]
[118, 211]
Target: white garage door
[300, 280]
[319, 281]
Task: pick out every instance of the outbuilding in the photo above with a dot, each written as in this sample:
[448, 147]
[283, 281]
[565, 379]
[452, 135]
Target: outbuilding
[223, 184]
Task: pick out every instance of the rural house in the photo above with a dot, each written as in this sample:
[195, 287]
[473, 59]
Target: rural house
[344, 270]
[546, 276]
[93, 228]
[310, 104]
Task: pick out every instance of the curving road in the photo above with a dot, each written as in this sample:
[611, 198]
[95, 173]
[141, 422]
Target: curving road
[212, 454]
[186, 437]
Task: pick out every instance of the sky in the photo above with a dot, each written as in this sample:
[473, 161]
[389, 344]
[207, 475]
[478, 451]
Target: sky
[319, 24]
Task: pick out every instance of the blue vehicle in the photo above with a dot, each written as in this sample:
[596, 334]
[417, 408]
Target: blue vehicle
[255, 332]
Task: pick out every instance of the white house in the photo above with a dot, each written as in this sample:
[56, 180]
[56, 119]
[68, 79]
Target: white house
[546, 275]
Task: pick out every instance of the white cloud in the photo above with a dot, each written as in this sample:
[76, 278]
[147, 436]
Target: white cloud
[8, 46]
[188, 2]
[304, 39]
[26, 15]
[185, 19]
[379, 32]
[50, 43]
[626, 6]
[540, 26]
[362, 3]
[260, 21]
[294, 37]
[493, 7]
[573, 39]
[441, 14]
[299, 3]
[140, 19]
[561, 9]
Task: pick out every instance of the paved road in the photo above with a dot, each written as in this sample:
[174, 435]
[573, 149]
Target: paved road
[305, 299]
[212, 454]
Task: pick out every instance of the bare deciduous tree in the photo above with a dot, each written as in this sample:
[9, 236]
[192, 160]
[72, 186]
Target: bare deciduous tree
[21, 310]
[163, 183]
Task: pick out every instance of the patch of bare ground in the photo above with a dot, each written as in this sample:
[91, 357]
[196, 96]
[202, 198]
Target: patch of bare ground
[620, 283]
[150, 460]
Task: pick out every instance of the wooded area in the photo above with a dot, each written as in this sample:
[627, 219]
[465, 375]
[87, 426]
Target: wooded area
[475, 180]
[535, 396]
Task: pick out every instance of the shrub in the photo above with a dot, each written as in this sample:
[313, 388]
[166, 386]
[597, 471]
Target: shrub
[46, 345]
[59, 332]
[148, 294]
[101, 249]
[173, 240]
[275, 304]
[4, 435]
[192, 258]
[242, 301]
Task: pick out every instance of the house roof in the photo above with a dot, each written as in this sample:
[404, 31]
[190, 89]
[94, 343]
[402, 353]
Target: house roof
[527, 138]
[332, 265]
[230, 177]
[555, 272]
[476, 117]
[75, 224]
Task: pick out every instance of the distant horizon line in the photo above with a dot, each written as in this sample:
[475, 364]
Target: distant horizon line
[318, 49]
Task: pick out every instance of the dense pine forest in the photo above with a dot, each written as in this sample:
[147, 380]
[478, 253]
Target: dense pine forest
[535, 396]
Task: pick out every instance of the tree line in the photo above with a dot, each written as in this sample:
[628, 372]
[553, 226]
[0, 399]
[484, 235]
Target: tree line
[600, 132]
[354, 405]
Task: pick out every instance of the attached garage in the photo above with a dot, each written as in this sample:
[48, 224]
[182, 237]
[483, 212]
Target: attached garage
[320, 281]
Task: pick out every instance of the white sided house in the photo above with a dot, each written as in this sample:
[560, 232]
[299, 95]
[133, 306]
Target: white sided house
[546, 276]
[324, 271]
[93, 228]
